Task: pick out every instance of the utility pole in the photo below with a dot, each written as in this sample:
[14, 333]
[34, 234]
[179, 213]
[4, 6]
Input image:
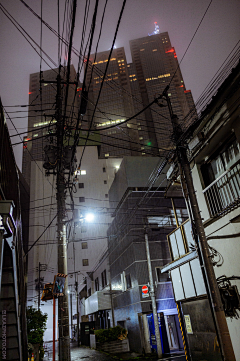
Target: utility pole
[209, 277]
[153, 298]
[76, 289]
[63, 316]
[39, 284]
[39, 281]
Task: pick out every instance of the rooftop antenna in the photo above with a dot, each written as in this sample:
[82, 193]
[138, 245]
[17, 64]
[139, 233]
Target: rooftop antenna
[156, 30]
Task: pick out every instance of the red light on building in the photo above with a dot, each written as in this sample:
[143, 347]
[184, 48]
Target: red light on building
[29, 93]
[172, 50]
[180, 86]
[187, 91]
[78, 89]
[175, 55]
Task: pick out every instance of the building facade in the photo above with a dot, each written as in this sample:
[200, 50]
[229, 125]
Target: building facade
[214, 158]
[155, 66]
[114, 105]
[41, 113]
[13, 330]
[134, 213]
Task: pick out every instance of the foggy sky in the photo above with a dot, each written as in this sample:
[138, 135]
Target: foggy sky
[216, 37]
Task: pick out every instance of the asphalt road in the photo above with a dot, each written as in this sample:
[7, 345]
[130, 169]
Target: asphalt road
[87, 354]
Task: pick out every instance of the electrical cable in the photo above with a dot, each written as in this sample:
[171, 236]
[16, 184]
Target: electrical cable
[40, 235]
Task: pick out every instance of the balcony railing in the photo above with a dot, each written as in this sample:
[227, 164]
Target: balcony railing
[223, 194]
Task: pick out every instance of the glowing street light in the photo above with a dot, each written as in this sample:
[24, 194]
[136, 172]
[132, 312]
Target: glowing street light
[89, 217]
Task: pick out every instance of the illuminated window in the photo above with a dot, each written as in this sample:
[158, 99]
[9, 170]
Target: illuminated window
[154, 49]
[85, 262]
[142, 49]
[83, 172]
[140, 138]
[106, 155]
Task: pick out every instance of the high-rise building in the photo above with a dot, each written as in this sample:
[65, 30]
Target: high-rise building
[114, 105]
[155, 66]
[128, 88]
[41, 114]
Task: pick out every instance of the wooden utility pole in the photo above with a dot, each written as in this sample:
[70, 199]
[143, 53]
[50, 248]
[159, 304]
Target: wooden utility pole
[209, 277]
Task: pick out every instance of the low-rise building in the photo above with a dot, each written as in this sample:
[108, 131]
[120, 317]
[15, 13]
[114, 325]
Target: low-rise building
[137, 209]
[214, 157]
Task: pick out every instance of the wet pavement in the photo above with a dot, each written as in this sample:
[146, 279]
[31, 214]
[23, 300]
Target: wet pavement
[86, 354]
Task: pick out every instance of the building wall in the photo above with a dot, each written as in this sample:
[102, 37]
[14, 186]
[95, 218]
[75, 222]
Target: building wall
[156, 64]
[220, 123]
[127, 256]
[114, 104]
[43, 210]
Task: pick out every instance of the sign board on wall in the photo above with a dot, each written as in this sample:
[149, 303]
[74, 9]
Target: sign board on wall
[188, 324]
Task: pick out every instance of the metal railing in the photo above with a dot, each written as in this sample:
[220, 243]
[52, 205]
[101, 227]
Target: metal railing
[223, 194]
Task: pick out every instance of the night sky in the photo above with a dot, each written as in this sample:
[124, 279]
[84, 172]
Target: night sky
[215, 39]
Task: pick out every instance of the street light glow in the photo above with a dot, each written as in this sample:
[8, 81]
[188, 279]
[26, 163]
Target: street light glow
[89, 217]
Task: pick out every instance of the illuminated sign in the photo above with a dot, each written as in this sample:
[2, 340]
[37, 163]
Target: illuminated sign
[58, 284]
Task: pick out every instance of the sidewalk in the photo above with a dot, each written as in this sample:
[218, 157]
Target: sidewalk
[83, 352]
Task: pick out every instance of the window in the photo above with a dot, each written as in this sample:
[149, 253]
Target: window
[84, 245]
[105, 182]
[81, 199]
[162, 277]
[106, 195]
[128, 281]
[97, 284]
[83, 229]
[106, 155]
[104, 278]
[104, 170]
[221, 177]
[80, 185]
[85, 262]
[83, 172]
[89, 292]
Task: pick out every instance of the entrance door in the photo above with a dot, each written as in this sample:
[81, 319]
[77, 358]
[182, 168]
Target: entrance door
[172, 333]
[86, 329]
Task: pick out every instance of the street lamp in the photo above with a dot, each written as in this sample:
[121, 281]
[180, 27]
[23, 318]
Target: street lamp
[89, 217]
